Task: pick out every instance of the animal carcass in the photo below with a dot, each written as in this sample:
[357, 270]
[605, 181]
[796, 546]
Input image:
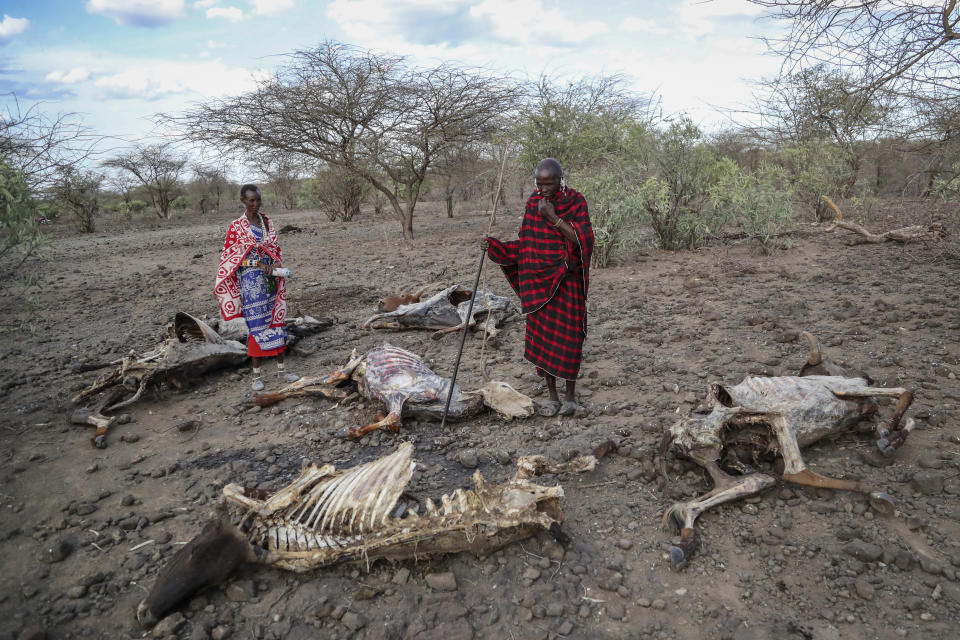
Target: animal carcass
[446, 312]
[401, 380]
[326, 516]
[776, 416]
[192, 348]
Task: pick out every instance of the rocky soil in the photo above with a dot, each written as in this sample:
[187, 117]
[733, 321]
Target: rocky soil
[84, 531]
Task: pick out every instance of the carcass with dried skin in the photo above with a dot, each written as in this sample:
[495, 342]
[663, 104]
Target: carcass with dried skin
[446, 312]
[326, 516]
[776, 417]
[400, 380]
[192, 348]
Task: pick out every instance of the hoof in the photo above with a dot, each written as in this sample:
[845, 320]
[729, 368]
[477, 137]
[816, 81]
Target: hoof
[100, 442]
[343, 432]
[882, 502]
[678, 559]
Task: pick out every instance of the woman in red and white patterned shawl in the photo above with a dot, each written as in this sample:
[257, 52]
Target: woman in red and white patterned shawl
[549, 268]
[246, 287]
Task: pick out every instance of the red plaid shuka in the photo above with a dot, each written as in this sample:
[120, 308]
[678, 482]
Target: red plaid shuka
[551, 275]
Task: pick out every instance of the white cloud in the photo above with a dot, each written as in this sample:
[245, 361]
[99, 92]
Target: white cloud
[139, 13]
[456, 22]
[229, 13]
[204, 4]
[271, 7]
[151, 80]
[77, 74]
[698, 18]
[633, 24]
[212, 44]
[10, 27]
[513, 21]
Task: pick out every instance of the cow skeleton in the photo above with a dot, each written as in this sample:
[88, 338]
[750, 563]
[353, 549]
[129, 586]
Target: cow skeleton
[325, 516]
[775, 416]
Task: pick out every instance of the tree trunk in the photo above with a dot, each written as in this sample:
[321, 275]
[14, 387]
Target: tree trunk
[449, 205]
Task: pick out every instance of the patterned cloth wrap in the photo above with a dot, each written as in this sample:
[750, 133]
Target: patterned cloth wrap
[537, 266]
[243, 290]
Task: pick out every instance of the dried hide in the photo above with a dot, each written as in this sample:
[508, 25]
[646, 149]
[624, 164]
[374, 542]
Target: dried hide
[446, 312]
[326, 516]
[400, 380]
[192, 348]
[765, 418]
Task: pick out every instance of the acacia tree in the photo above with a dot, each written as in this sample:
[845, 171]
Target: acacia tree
[158, 167]
[374, 115]
[210, 181]
[909, 47]
[33, 146]
[818, 115]
[78, 191]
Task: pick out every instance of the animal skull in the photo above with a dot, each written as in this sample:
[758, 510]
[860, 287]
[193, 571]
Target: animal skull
[775, 416]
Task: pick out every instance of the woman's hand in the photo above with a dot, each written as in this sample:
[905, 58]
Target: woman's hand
[547, 211]
[484, 244]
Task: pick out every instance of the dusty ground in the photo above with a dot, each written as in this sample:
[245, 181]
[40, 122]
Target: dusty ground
[794, 563]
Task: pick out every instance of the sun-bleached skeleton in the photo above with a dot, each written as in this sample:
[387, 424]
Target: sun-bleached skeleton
[325, 516]
[446, 311]
[776, 416]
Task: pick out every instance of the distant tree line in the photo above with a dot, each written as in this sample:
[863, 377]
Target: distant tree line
[337, 128]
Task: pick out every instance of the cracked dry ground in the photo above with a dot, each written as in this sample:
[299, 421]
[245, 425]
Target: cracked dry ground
[84, 531]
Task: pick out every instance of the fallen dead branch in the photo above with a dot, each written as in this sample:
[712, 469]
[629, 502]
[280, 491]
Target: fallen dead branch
[902, 235]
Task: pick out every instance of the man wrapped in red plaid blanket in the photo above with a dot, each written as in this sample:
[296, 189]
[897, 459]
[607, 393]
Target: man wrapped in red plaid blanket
[549, 268]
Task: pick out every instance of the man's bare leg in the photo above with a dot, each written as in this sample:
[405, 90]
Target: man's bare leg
[552, 406]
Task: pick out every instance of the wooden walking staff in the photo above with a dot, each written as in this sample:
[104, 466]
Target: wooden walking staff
[476, 283]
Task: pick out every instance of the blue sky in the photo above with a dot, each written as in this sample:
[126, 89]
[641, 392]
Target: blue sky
[118, 62]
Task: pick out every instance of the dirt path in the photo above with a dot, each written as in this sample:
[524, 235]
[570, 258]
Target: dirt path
[794, 562]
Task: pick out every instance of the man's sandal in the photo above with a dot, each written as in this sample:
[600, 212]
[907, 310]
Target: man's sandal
[569, 407]
[549, 408]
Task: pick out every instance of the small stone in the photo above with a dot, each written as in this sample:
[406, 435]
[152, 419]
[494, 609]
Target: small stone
[927, 482]
[930, 566]
[659, 604]
[863, 551]
[220, 632]
[608, 579]
[469, 459]
[353, 621]
[124, 418]
[616, 610]
[643, 602]
[401, 576]
[169, 625]
[77, 591]
[864, 589]
[750, 509]
[555, 609]
[442, 581]
[625, 544]
[531, 573]
[57, 551]
[128, 500]
[240, 591]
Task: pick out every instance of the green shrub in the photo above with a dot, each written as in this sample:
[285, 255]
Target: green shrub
[814, 169]
[762, 203]
[683, 201]
[18, 219]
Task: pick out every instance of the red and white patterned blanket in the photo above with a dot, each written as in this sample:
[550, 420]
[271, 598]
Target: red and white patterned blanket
[239, 242]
